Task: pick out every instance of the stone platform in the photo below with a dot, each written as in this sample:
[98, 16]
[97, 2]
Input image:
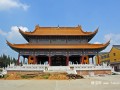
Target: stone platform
[81, 69]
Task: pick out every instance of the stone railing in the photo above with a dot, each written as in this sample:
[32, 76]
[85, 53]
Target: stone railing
[90, 67]
[40, 67]
[27, 67]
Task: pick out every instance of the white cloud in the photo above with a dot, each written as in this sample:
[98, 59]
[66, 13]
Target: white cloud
[9, 4]
[23, 28]
[97, 43]
[114, 40]
[2, 32]
[13, 35]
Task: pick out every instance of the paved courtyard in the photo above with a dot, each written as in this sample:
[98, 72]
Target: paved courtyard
[89, 83]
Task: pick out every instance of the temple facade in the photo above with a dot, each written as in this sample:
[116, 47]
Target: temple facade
[58, 46]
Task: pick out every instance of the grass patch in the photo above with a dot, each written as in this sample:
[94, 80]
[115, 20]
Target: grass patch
[27, 76]
[46, 76]
[6, 76]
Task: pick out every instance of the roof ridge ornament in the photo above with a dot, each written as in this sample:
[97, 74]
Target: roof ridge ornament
[58, 26]
[79, 26]
[37, 26]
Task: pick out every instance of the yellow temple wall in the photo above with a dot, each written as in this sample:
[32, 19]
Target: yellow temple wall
[114, 55]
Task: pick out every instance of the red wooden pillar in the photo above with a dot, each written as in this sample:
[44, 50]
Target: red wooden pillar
[18, 61]
[82, 60]
[88, 60]
[35, 60]
[67, 60]
[98, 59]
[49, 60]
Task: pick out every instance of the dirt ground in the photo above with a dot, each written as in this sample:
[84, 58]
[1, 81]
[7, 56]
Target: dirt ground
[108, 82]
[19, 76]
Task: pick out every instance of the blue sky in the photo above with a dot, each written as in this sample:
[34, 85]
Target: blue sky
[90, 14]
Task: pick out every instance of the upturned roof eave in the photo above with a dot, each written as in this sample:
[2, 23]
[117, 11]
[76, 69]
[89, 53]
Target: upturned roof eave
[26, 34]
[16, 47]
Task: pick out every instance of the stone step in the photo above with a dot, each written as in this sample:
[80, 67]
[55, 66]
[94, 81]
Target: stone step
[58, 68]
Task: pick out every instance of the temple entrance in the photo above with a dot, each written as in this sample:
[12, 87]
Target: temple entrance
[75, 59]
[58, 61]
[42, 59]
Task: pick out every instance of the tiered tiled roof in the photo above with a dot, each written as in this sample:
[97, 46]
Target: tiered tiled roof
[58, 31]
[61, 31]
[58, 46]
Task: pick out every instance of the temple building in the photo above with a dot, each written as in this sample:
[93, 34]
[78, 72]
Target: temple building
[111, 58]
[58, 46]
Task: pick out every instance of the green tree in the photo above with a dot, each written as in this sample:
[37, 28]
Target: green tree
[6, 60]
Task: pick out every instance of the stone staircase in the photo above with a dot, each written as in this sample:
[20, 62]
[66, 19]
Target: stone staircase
[58, 68]
[61, 69]
[71, 72]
